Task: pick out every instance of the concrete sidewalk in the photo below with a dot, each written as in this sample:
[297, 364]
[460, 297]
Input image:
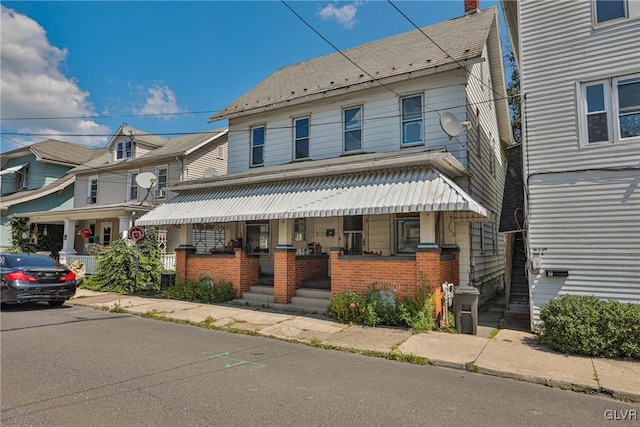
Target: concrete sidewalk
[503, 347]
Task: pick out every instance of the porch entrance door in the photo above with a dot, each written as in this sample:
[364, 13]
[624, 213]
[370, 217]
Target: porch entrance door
[258, 236]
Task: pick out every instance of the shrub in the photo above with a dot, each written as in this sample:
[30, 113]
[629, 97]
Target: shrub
[590, 326]
[204, 291]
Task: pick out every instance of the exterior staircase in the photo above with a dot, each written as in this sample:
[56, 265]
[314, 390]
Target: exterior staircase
[312, 297]
[518, 304]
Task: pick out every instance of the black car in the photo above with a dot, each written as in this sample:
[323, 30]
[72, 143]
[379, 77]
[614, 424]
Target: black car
[31, 278]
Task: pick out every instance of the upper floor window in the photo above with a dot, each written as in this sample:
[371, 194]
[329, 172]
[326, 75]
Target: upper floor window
[162, 175]
[124, 149]
[412, 119]
[607, 10]
[611, 109]
[352, 119]
[92, 190]
[132, 191]
[301, 138]
[257, 145]
[22, 178]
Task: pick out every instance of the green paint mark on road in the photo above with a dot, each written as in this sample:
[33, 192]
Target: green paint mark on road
[237, 362]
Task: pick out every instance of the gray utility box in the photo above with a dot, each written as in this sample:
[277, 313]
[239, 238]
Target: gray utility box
[466, 309]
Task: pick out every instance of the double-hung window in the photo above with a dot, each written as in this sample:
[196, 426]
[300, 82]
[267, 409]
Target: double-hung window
[352, 119]
[611, 109]
[162, 175]
[257, 145]
[92, 190]
[412, 120]
[124, 149]
[608, 10]
[132, 193]
[301, 138]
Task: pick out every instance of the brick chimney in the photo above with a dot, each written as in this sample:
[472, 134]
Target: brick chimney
[471, 6]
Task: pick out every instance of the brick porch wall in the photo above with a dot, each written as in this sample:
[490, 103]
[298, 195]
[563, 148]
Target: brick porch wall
[284, 275]
[238, 268]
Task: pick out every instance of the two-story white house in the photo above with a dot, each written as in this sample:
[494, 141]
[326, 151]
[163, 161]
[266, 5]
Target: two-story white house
[340, 169]
[109, 196]
[579, 64]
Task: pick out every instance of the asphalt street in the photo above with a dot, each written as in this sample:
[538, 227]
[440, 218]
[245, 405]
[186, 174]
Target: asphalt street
[75, 366]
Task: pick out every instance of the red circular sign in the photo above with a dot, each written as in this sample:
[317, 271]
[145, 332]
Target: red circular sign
[136, 233]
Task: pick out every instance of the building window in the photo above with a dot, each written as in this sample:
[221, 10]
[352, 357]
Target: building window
[352, 118]
[407, 235]
[494, 234]
[412, 120]
[124, 149]
[299, 229]
[22, 178]
[353, 238]
[106, 233]
[608, 10]
[92, 190]
[257, 146]
[482, 240]
[301, 138]
[133, 185]
[611, 109]
[258, 238]
[209, 238]
[162, 175]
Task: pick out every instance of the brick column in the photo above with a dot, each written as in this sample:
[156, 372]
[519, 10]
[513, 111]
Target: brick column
[428, 269]
[182, 255]
[284, 278]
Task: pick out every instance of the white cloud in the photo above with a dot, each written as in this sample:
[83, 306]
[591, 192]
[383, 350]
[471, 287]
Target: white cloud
[32, 85]
[345, 15]
[159, 99]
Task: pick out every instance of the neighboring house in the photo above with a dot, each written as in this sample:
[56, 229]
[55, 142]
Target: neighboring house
[345, 171]
[580, 81]
[108, 196]
[34, 178]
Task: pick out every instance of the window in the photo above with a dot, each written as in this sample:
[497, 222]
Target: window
[494, 231]
[258, 238]
[106, 233]
[412, 119]
[92, 190]
[162, 176]
[352, 118]
[132, 193]
[611, 110]
[301, 138]
[299, 229]
[353, 235]
[257, 146]
[124, 149]
[482, 241]
[607, 10]
[22, 178]
[407, 235]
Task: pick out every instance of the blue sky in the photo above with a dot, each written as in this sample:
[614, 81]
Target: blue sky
[166, 67]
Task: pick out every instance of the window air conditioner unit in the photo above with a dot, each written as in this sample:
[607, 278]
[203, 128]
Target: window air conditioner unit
[160, 193]
[91, 200]
[22, 185]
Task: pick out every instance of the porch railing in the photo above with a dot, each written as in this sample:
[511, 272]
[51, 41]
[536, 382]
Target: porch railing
[167, 262]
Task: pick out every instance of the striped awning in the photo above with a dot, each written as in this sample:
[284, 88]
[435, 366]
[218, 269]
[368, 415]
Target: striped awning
[367, 193]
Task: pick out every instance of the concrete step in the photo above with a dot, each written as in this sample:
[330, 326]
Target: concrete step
[261, 289]
[265, 280]
[314, 293]
[255, 300]
[312, 303]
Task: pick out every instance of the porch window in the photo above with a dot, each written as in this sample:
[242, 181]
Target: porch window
[257, 146]
[608, 10]
[353, 235]
[407, 235]
[412, 120]
[352, 118]
[258, 238]
[208, 238]
[299, 229]
[301, 138]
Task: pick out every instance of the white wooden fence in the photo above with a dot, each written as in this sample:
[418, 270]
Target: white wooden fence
[167, 261]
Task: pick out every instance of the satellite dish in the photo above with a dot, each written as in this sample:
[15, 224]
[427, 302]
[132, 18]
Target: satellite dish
[450, 124]
[146, 179]
[210, 172]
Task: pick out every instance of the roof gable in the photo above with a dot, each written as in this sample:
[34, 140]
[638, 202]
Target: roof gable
[462, 39]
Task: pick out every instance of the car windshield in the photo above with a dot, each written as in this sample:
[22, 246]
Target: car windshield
[16, 261]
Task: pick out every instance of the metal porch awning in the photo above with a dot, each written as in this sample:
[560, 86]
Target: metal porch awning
[367, 193]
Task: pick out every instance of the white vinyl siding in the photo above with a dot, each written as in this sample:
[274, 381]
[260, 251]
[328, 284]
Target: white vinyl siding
[212, 156]
[381, 130]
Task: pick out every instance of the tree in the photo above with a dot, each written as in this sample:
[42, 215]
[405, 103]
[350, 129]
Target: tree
[513, 94]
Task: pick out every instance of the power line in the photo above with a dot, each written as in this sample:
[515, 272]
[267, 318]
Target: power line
[98, 116]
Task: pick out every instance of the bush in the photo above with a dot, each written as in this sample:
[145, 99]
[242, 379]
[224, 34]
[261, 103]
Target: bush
[379, 307]
[590, 326]
[204, 291]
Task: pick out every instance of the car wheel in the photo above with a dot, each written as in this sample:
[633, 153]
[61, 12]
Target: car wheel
[56, 303]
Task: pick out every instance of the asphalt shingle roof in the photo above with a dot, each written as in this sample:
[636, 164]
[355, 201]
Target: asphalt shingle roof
[462, 38]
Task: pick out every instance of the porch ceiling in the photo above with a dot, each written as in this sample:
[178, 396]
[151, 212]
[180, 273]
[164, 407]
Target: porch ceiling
[366, 193]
